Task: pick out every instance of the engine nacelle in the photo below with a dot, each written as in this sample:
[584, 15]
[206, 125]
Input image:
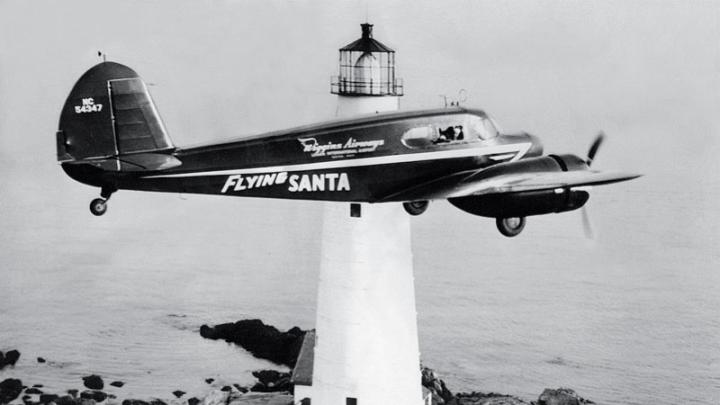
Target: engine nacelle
[526, 203]
[522, 204]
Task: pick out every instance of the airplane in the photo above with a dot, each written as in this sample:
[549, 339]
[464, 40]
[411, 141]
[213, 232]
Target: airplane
[111, 136]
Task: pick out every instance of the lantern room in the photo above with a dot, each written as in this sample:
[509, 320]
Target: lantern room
[367, 68]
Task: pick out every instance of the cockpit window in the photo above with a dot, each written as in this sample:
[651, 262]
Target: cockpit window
[466, 129]
[483, 127]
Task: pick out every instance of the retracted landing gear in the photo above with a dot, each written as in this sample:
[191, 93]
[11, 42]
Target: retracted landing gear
[416, 207]
[98, 206]
[510, 226]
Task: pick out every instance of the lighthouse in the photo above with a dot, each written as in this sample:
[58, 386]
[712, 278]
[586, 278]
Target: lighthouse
[365, 349]
[366, 81]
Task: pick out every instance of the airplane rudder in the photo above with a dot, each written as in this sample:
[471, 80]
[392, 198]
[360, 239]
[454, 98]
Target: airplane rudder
[109, 112]
[85, 129]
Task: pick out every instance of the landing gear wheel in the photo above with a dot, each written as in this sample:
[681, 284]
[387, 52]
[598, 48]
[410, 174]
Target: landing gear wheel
[98, 206]
[510, 226]
[416, 207]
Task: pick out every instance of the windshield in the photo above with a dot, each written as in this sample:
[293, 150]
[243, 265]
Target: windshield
[483, 127]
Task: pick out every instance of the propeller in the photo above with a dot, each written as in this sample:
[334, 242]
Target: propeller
[594, 147]
[587, 225]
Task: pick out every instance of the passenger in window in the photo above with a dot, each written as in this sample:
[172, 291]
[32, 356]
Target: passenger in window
[445, 135]
[458, 133]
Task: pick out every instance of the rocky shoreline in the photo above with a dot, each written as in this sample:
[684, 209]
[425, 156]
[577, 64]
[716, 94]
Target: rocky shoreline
[272, 387]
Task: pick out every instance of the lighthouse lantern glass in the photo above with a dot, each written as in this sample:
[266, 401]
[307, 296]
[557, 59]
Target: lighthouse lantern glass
[367, 68]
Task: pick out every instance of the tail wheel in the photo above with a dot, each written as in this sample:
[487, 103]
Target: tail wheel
[510, 226]
[416, 207]
[98, 206]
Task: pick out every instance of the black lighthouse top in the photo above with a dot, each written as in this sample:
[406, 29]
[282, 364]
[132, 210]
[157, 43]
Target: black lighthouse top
[367, 68]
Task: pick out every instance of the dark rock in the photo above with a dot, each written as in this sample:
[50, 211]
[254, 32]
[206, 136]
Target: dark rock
[67, 400]
[561, 396]
[37, 385]
[47, 398]
[97, 396]
[191, 401]
[267, 376]
[240, 388]
[263, 341]
[178, 393]
[134, 402]
[12, 357]
[73, 393]
[94, 382]
[33, 391]
[9, 358]
[271, 381]
[40, 360]
[209, 380]
[259, 387]
[226, 388]
[157, 402]
[436, 386]
[117, 384]
[10, 389]
[480, 398]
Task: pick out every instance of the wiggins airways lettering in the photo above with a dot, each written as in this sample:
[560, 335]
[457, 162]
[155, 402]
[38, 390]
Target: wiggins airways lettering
[296, 182]
[349, 148]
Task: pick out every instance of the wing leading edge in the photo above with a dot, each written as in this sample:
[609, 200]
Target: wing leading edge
[499, 179]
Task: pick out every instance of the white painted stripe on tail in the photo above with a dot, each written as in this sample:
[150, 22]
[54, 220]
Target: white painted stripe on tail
[518, 149]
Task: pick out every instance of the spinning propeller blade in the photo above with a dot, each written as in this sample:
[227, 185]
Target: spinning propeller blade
[594, 147]
[587, 225]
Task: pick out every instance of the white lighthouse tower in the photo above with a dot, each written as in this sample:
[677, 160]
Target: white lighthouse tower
[366, 343]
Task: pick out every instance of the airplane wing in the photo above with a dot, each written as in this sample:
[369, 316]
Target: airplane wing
[475, 183]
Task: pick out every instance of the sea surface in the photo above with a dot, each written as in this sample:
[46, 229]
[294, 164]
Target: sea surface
[630, 317]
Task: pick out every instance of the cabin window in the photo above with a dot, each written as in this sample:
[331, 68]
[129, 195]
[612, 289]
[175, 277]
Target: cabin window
[470, 129]
[419, 137]
[452, 133]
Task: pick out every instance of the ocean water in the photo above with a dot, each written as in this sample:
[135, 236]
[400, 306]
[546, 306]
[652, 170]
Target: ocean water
[631, 317]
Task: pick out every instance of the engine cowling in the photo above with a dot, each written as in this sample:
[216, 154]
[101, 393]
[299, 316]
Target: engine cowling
[526, 203]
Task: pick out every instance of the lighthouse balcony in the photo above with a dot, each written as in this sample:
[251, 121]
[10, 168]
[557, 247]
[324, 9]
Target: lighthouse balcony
[364, 87]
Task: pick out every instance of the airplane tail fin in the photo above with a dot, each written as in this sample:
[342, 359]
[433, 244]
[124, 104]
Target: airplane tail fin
[110, 118]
